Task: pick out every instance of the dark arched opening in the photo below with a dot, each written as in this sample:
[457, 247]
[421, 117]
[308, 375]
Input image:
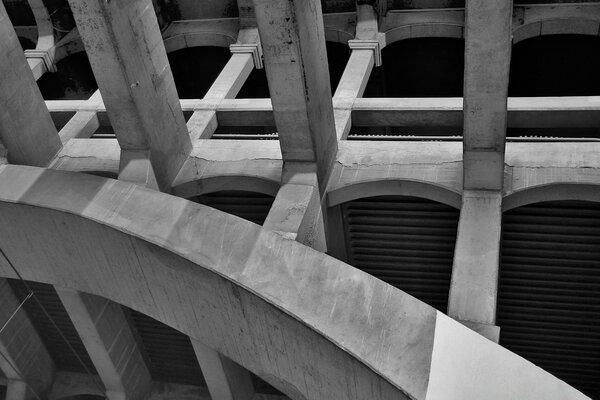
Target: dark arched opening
[256, 85]
[407, 242]
[549, 289]
[74, 79]
[422, 67]
[251, 206]
[555, 65]
[196, 68]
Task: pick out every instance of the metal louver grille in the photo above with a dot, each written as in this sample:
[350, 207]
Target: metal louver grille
[60, 352]
[549, 289]
[407, 242]
[169, 353]
[251, 206]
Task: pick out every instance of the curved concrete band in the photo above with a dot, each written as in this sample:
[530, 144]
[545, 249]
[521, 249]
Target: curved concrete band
[309, 324]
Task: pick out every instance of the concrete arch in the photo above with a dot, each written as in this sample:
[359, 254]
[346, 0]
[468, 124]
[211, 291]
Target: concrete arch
[404, 187]
[198, 39]
[555, 26]
[66, 48]
[271, 304]
[227, 182]
[337, 35]
[421, 30]
[552, 192]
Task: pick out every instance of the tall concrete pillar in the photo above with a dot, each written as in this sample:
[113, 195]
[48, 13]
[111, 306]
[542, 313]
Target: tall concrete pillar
[26, 128]
[111, 345]
[293, 42]
[27, 367]
[474, 285]
[487, 64]
[128, 57]
[225, 379]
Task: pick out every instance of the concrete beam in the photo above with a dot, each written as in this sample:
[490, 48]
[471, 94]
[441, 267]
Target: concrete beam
[474, 285]
[29, 368]
[26, 128]
[296, 212]
[293, 42]
[85, 121]
[487, 64]
[225, 379]
[106, 335]
[128, 57]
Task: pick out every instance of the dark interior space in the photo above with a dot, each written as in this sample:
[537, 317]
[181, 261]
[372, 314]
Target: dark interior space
[555, 65]
[74, 79]
[196, 68]
[422, 67]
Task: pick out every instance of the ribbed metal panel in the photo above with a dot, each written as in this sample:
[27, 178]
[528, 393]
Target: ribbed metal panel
[549, 289]
[407, 242]
[251, 206]
[169, 353]
[60, 352]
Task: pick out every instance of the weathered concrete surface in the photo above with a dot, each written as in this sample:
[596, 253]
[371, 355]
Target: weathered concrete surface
[487, 64]
[85, 121]
[110, 343]
[225, 379]
[309, 324]
[474, 285]
[126, 52]
[293, 43]
[215, 165]
[22, 345]
[26, 128]
[89, 155]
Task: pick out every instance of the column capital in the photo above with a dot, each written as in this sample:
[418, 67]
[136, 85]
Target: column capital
[253, 48]
[367, 44]
[45, 55]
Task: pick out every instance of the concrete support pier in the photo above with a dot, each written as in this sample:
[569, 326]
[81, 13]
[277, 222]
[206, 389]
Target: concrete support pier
[106, 335]
[474, 285]
[128, 57]
[26, 128]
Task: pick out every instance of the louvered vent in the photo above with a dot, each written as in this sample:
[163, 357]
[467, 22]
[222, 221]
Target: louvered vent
[251, 206]
[549, 290]
[59, 350]
[407, 242]
[169, 353]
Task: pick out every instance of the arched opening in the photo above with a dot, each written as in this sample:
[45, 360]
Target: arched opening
[555, 65]
[549, 289]
[421, 67]
[251, 206]
[405, 241]
[256, 85]
[196, 68]
[74, 79]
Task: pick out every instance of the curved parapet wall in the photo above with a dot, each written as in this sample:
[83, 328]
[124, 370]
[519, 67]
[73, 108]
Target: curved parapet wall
[311, 325]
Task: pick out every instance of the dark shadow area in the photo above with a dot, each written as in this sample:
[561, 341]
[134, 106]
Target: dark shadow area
[549, 289]
[423, 67]
[250, 206]
[196, 68]
[555, 65]
[26, 44]
[405, 241]
[256, 86]
[337, 6]
[19, 13]
[74, 79]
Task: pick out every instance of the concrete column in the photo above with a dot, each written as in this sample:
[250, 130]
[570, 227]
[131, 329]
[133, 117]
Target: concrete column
[474, 286]
[246, 55]
[41, 59]
[26, 128]
[296, 212]
[225, 379]
[487, 63]
[128, 57]
[106, 335]
[293, 41]
[85, 122]
[29, 361]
